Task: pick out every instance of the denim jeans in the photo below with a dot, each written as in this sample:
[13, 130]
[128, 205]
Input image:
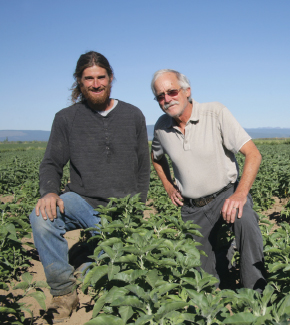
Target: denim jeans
[52, 246]
[248, 236]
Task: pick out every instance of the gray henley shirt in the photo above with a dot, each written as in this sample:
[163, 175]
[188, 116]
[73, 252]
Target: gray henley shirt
[109, 155]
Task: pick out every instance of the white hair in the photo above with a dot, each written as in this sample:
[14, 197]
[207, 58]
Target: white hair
[182, 80]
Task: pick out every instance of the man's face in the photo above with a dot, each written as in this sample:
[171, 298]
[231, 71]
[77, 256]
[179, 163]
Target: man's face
[95, 85]
[171, 105]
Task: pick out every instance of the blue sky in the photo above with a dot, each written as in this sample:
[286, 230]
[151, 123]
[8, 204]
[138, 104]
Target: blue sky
[235, 52]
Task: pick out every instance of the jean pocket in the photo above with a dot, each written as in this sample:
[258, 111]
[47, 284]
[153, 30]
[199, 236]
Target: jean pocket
[186, 209]
[250, 200]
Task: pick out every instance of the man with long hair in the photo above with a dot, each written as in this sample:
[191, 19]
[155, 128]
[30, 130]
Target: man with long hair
[105, 141]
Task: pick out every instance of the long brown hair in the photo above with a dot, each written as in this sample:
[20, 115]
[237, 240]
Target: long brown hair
[88, 60]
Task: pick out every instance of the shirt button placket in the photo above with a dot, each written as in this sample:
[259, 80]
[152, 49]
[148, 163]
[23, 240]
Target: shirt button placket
[106, 135]
[186, 144]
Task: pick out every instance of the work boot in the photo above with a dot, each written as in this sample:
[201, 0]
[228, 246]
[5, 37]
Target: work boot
[61, 307]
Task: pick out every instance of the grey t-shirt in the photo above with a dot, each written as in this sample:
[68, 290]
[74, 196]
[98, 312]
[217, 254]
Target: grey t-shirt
[105, 113]
[203, 158]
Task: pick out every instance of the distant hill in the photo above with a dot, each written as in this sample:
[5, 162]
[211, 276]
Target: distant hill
[26, 135]
[268, 133]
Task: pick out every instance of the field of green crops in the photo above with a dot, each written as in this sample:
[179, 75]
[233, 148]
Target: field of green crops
[148, 272]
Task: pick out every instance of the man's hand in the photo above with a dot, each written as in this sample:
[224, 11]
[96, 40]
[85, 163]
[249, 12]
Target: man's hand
[175, 196]
[162, 168]
[233, 204]
[47, 206]
[239, 198]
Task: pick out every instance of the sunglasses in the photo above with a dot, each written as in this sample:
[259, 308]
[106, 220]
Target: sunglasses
[171, 93]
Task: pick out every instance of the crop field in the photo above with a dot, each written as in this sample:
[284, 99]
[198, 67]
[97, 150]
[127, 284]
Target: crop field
[148, 272]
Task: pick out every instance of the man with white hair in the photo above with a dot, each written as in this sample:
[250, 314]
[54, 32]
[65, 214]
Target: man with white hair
[202, 140]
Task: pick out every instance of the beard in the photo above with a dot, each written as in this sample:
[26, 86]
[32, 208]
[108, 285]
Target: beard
[97, 102]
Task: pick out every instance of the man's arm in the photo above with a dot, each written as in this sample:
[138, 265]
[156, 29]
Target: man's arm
[162, 168]
[237, 201]
[51, 169]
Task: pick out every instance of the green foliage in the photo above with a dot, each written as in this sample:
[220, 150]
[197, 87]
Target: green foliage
[19, 175]
[273, 178]
[148, 272]
[13, 227]
[7, 146]
[12, 309]
[277, 257]
[146, 266]
[145, 274]
[285, 213]
[272, 141]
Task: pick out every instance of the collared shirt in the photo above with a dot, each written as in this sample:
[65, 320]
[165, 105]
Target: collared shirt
[203, 158]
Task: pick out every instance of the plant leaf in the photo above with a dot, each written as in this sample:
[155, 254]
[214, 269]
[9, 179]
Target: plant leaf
[126, 313]
[105, 319]
[27, 277]
[169, 307]
[244, 318]
[99, 304]
[39, 296]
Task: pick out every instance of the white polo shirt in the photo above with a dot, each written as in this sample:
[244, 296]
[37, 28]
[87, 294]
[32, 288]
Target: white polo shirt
[203, 159]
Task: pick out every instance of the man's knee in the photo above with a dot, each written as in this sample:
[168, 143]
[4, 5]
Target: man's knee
[73, 202]
[249, 218]
[41, 227]
[37, 222]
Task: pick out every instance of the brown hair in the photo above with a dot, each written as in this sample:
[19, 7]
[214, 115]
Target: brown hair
[88, 60]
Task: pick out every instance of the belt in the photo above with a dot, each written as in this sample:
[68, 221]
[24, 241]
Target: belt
[202, 201]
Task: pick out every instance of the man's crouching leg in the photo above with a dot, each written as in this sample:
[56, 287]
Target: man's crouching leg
[249, 242]
[53, 252]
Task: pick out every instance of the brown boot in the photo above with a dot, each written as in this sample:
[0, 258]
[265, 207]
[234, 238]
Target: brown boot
[61, 307]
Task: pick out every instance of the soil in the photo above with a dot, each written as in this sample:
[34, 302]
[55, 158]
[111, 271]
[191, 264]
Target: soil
[6, 198]
[84, 312]
[274, 213]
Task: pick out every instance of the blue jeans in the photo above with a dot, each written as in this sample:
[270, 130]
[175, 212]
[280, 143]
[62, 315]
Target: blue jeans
[52, 246]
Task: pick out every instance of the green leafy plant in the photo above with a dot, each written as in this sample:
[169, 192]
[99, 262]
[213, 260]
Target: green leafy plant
[13, 256]
[146, 267]
[12, 309]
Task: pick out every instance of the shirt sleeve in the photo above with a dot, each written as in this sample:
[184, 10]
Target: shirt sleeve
[157, 148]
[143, 161]
[234, 136]
[55, 158]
